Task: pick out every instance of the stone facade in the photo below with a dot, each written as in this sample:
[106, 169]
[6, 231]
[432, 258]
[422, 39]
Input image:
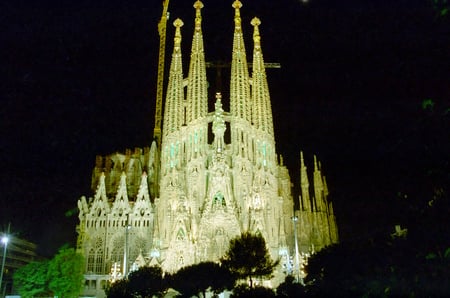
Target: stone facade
[216, 175]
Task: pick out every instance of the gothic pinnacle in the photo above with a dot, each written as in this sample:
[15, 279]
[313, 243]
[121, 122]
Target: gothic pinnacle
[237, 18]
[198, 5]
[256, 37]
[302, 161]
[178, 23]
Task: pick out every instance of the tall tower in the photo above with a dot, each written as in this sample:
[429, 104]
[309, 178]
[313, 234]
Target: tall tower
[220, 175]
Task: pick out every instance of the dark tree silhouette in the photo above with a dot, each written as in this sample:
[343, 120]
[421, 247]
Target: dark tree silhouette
[197, 279]
[248, 257]
[243, 291]
[146, 282]
[290, 288]
[118, 289]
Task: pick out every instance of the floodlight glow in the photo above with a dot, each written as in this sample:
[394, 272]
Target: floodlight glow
[5, 240]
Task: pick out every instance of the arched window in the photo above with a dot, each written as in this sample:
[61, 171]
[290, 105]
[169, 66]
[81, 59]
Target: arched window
[95, 260]
[117, 251]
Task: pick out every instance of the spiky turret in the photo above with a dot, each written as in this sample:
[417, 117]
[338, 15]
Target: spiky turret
[262, 110]
[197, 92]
[239, 85]
[173, 112]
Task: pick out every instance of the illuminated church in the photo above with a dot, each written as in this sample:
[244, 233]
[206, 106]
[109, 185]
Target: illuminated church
[215, 175]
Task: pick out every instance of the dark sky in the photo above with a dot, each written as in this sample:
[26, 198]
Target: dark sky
[77, 79]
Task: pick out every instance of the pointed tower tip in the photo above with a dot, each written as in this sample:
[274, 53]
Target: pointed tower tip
[237, 4]
[256, 37]
[178, 23]
[237, 18]
[302, 161]
[198, 5]
[315, 163]
[255, 22]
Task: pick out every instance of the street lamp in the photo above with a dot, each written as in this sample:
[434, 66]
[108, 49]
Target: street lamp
[297, 261]
[5, 240]
[126, 250]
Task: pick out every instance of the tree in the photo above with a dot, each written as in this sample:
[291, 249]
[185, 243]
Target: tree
[62, 276]
[290, 288]
[243, 291]
[413, 264]
[65, 273]
[197, 279]
[146, 282]
[248, 257]
[31, 280]
[118, 289]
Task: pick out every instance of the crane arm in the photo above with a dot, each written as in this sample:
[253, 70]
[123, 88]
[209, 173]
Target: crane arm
[160, 79]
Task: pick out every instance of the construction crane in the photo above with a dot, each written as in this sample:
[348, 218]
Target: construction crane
[160, 80]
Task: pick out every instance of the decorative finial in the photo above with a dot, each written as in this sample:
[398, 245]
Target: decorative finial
[237, 4]
[256, 37]
[237, 18]
[198, 5]
[218, 104]
[178, 23]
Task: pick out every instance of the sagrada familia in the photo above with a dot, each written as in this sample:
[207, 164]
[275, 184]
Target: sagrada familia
[214, 175]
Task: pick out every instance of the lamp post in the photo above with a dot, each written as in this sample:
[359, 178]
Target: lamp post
[5, 240]
[297, 261]
[125, 253]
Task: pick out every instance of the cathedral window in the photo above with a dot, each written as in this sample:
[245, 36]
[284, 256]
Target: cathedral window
[117, 251]
[95, 257]
[91, 260]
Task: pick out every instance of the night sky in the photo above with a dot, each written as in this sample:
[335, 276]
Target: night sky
[77, 79]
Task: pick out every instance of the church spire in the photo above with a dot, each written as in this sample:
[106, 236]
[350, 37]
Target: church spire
[262, 110]
[197, 92]
[173, 112]
[304, 185]
[239, 85]
[318, 187]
